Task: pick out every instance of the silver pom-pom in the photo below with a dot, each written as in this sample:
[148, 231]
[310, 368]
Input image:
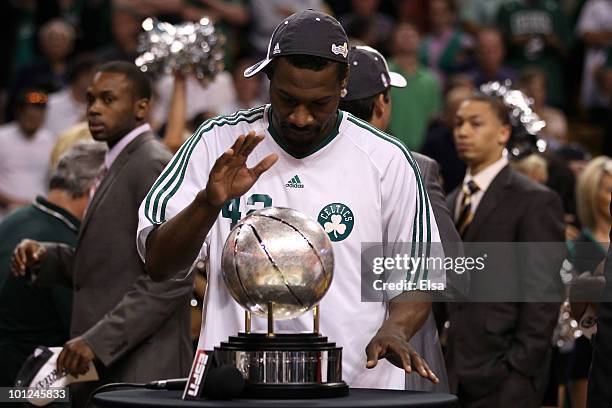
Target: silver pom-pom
[526, 124]
[189, 48]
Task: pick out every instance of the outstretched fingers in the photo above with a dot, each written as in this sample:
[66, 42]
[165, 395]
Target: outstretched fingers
[264, 164]
[239, 152]
[222, 162]
[238, 143]
[231, 153]
[251, 142]
[423, 369]
[236, 157]
[406, 361]
[373, 352]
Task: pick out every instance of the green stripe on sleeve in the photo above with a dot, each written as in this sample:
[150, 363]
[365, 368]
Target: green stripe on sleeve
[173, 163]
[170, 168]
[180, 161]
[184, 167]
[422, 200]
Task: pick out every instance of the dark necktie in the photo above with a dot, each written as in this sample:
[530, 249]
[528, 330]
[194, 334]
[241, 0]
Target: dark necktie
[465, 212]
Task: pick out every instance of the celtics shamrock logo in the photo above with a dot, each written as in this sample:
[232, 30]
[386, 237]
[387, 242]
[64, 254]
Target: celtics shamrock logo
[335, 226]
[337, 220]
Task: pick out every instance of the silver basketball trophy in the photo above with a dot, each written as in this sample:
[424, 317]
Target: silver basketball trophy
[278, 263]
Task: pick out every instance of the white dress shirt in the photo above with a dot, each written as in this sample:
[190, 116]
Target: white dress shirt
[483, 180]
[112, 154]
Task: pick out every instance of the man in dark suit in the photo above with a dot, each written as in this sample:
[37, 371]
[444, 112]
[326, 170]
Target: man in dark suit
[136, 329]
[368, 98]
[498, 352]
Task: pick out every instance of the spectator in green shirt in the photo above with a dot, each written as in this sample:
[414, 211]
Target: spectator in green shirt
[537, 35]
[34, 314]
[478, 14]
[414, 105]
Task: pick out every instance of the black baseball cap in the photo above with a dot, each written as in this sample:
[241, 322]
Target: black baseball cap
[307, 32]
[369, 74]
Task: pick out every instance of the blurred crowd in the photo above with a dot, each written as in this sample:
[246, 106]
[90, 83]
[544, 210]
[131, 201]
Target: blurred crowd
[559, 52]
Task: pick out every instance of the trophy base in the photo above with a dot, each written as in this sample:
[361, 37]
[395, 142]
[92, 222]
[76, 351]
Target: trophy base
[286, 365]
[296, 391]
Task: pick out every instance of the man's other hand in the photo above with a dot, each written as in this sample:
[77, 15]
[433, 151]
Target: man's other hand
[398, 352]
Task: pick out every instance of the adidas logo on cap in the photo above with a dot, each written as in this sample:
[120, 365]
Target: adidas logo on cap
[295, 182]
[276, 50]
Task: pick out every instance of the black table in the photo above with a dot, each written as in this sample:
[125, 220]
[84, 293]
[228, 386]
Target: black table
[358, 397]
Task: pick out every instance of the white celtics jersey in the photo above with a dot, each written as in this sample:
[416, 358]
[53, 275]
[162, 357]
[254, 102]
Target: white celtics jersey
[359, 181]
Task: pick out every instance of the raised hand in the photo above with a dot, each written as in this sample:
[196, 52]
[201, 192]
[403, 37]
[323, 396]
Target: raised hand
[230, 177]
[27, 253]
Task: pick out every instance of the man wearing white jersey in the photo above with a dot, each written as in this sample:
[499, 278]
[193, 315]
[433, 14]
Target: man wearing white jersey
[300, 152]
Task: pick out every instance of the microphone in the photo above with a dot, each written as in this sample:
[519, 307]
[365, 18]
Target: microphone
[209, 378]
[172, 384]
[223, 382]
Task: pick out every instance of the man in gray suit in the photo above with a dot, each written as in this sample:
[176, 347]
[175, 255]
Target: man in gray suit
[368, 98]
[134, 329]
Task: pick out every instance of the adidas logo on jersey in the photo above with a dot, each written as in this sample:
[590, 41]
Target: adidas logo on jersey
[295, 182]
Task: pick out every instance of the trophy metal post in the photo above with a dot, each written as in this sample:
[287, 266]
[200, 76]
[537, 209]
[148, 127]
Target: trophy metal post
[247, 321]
[270, 319]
